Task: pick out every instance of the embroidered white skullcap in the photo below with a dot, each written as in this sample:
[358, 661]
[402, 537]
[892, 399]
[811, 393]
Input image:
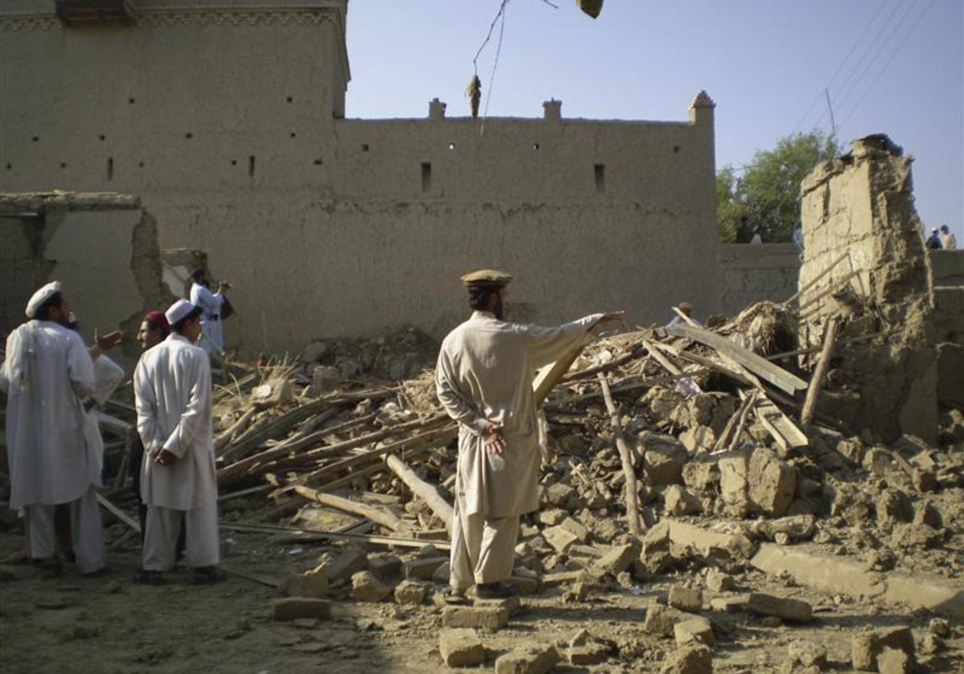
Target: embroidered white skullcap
[177, 311]
[41, 296]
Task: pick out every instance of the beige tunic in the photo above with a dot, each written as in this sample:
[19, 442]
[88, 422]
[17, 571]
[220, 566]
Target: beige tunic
[484, 374]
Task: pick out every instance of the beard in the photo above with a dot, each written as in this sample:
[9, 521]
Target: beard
[499, 310]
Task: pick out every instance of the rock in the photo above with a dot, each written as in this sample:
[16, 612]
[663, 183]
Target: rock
[350, 560]
[479, 617]
[699, 630]
[384, 565]
[584, 650]
[529, 659]
[576, 593]
[576, 528]
[940, 627]
[617, 559]
[717, 581]
[560, 539]
[731, 604]
[867, 646]
[410, 592]
[295, 608]
[365, 586]
[422, 568]
[311, 584]
[734, 475]
[559, 494]
[678, 501]
[915, 536]
[690, 659]
[893, 507]
[664, 459]
[772, 482]
[894, 661]
[785, 608]
[701, 476]
[698, 439]
[550, 517]
[794, 527]
[460, 647]
[661, 620]
[928, 515]
[806, 654]
[688, 599]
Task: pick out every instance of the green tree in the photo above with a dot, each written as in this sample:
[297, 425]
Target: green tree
[766, 198]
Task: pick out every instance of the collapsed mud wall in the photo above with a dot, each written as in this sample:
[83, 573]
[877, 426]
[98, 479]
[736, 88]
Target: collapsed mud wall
[102, 247]
[865, 264]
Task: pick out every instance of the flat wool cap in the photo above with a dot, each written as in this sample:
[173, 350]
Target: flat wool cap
[177, 311]
[487, 277]
[41, 296]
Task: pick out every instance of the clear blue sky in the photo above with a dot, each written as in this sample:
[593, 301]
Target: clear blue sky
[892, 66]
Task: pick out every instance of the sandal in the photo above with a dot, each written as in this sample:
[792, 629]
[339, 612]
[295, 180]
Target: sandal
[204, 575]
[455, 597]
[495, 591]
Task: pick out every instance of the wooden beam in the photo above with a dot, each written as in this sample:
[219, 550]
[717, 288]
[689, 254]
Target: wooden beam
[380, 516]
[625, 457]
[552, 374]
[117, 512]
[755, 363]
[816, 279]
[823, 364]
[423, 490]
[308, 535]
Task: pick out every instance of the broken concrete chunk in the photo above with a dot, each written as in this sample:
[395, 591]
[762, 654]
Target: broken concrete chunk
[688, 599]
[295, 608]
[478, 617]
[734, 476]
[529, 659]
[384, 565]
[698, 439]
[365, 586]
[806, 654]
[617, 559]
[794, 610]
[730, 604]
[690, 659]
[560, 539]
[698, 630]
[461, 647]
[664, 459]
[794, 527]
[350, 560]
[701, 475]
[576, 528]
[550, 517]
[894, 661]
[679, 501]
[410, 592]
[772, 482]
[559, 495]
[661, 620]
[867, 646]
[423, 568]
[718, 581]
[311, 584]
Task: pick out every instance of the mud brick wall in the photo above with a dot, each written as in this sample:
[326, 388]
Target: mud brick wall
[753, 273]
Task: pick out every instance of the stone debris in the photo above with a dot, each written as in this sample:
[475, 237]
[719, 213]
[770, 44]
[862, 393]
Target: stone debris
[490, 618]
[689, 659]
[794, 610]
[806, 654]
[296, 608]
[686, 598]
[311, 584]
[867, 647]
[699, 630]
[461, 647]
[365, 586]
[585, 650]
[529, 659]
[411, 592]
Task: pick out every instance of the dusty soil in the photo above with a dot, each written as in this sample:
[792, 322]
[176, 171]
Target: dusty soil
[111, 625]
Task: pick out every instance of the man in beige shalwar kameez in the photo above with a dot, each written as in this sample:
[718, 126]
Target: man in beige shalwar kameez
[484, 380]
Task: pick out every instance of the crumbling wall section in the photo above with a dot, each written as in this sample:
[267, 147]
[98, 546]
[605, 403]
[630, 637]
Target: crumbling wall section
[754, 273]
[865, 263]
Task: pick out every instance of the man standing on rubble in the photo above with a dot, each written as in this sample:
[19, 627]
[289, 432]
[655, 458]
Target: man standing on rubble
[484, 380]
[211, 304]
[47, 374]
[172, 386]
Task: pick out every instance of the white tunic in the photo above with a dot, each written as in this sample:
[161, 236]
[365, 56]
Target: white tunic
[213, 338]
[172, 386]
[46, 373]
[484, 374]
[107, 377]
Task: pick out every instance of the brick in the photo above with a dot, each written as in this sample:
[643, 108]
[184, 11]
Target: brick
[295, 608]
[793, 610]
[478, 617]
[460, 648]
[530, 659]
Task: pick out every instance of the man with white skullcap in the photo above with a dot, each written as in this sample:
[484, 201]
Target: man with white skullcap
[47, 374]
[172, 386]
[484, 381]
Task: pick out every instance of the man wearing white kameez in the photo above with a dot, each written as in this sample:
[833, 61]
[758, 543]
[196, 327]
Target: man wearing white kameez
[212, 339]
[47, 374]
[172, 386]
[484, 380]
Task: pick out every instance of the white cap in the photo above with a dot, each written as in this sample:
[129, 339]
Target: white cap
[41, 296]
[177, 311]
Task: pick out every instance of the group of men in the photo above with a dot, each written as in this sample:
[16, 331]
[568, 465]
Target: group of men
[54, 384]
[484, 378]
[942, 239]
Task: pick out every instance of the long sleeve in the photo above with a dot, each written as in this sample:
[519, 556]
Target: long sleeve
[80, 368]
[107, 375]
[204, 298]
[148, 427]
[548, 345]
[193, 419]
[455, 404]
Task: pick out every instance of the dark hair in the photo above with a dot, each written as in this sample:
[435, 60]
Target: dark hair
[191, 315]
[158, 327]
[43, 311]
[479, 296]
[197, 274]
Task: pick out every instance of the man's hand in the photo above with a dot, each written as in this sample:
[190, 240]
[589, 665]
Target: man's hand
[165, 458]
[108, 341]
[493, 439]
[608, 318]
[224, 286]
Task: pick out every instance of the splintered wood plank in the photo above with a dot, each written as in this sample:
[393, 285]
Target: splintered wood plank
[784, 432]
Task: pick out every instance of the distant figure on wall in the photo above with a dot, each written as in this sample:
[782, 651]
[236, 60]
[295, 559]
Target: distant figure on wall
[757, 239]
[934, 240]
[212, 304]
[948, 240]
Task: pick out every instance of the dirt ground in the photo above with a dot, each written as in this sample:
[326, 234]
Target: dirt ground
[111, 625]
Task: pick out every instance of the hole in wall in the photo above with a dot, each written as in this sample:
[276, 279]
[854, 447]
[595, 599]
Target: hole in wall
[102, 137]
[9, 166]
[110, 168]
[292, 134]
[364, 147]
[140, 164]
[36, 139]
[251, 166]
[130, 100]
[234, 162]
[317, 162]
[677, 148]
[599, 170]
[426, 176]
[535, 146]
[290, 99]
[63, 164]
[189, 135]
